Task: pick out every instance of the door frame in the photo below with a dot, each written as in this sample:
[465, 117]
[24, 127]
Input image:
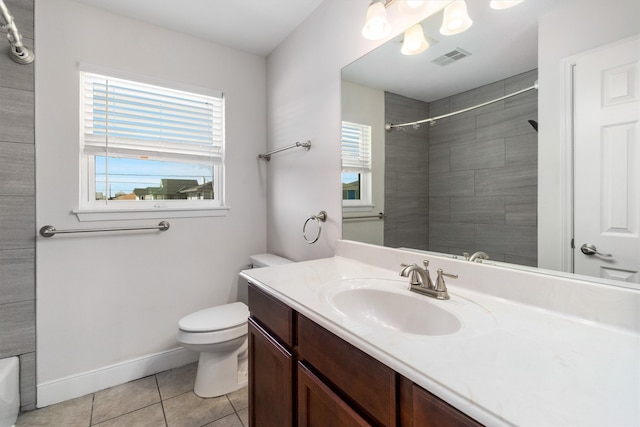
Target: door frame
[567, 142]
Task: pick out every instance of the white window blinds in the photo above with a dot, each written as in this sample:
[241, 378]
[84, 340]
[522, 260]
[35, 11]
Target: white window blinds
[123, 118]
[356, 147]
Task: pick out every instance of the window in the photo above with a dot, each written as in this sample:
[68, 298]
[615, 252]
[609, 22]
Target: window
[149, 147]
[356, 164]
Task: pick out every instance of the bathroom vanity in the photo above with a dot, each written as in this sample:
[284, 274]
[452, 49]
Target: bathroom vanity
[342, 341]
[293, 359]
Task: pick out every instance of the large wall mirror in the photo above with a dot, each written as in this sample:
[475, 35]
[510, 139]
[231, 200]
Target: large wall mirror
[468, 180]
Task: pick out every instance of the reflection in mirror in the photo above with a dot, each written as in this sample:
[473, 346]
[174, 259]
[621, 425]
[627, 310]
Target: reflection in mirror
[466, 182]
[458, 184]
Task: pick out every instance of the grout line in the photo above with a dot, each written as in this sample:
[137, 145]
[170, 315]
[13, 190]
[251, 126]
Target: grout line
[231, 403]
[235, 410]
[164, 414]
[93, 401]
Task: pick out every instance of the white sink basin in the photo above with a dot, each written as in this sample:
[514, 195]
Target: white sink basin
[388, 304]
[396, 311]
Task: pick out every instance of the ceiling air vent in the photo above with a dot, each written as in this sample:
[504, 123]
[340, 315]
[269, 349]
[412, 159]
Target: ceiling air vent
[449, 57]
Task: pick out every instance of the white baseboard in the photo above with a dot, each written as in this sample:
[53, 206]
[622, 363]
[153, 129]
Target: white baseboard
[67, 388]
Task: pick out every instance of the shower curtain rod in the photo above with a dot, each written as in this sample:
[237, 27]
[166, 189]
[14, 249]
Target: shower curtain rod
[17, 51]
[432, 120]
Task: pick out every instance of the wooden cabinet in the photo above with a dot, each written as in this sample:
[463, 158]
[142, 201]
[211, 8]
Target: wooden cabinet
[271, 367]
[271, 362]
[302, 374]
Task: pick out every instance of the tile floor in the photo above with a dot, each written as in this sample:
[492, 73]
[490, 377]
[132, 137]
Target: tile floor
[162, 400]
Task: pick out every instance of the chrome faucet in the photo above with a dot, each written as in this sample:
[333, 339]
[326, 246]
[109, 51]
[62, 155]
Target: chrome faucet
[476, 257]
[420, 280]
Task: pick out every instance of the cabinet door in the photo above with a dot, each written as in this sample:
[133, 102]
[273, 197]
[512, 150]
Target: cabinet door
[270, 381]
[321, 407]
[419, 408]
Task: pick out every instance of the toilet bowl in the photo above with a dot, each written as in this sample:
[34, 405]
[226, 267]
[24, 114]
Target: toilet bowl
[219, 334]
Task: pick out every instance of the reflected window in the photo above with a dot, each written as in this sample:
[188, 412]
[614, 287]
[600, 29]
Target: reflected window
[356, 164]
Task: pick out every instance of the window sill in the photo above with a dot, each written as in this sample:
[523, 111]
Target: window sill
[150, 213]
[358, 208]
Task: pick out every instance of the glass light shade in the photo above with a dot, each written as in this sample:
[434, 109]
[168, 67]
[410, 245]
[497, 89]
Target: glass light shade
[456, 19]
[376, 26]
[504, 4]
[414, 41]
[412, 6]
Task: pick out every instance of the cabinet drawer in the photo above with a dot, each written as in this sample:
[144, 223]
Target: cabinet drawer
[369, 384]
[275, 316]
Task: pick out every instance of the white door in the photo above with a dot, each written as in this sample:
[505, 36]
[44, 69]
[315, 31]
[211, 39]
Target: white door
[607, 162]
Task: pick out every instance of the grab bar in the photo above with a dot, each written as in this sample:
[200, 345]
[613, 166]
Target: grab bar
[267, 156]
[379, 216]
[50, 230]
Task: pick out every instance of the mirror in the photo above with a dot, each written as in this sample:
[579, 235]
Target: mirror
[464, 183]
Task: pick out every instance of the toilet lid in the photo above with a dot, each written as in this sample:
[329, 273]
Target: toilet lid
[215, 318]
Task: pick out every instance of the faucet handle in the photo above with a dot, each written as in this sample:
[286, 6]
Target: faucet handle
[440, 284]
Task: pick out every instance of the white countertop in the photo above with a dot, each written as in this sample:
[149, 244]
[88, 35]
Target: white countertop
[511, 363]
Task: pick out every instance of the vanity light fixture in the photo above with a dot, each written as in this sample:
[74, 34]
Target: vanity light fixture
[414, 41]
[456, 19]
[504, 4]
[377, 25]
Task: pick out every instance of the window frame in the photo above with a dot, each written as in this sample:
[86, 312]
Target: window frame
[365, 203]
[90, 209]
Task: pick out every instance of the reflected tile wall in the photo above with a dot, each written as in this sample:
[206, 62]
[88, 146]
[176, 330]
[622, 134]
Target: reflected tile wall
[487, 173]
[406, 175]
[470, 181]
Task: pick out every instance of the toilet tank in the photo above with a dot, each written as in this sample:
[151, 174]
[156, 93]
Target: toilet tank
[267, 260]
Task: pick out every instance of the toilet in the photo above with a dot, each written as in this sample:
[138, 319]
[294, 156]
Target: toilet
[219, 334]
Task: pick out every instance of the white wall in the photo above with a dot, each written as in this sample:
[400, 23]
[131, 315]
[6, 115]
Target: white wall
[364, 105]
[303, 94]
[573, 27]
[103, 299]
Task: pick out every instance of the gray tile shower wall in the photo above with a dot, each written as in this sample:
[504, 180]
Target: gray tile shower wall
[406, 186]
[17, 206]
[475, 173]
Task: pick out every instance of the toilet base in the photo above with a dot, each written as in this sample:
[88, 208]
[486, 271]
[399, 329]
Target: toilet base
[221, 373]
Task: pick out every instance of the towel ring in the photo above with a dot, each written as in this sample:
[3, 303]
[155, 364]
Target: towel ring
[320, 218]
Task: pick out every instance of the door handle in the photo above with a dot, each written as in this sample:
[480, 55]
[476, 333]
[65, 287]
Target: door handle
[589, 249]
